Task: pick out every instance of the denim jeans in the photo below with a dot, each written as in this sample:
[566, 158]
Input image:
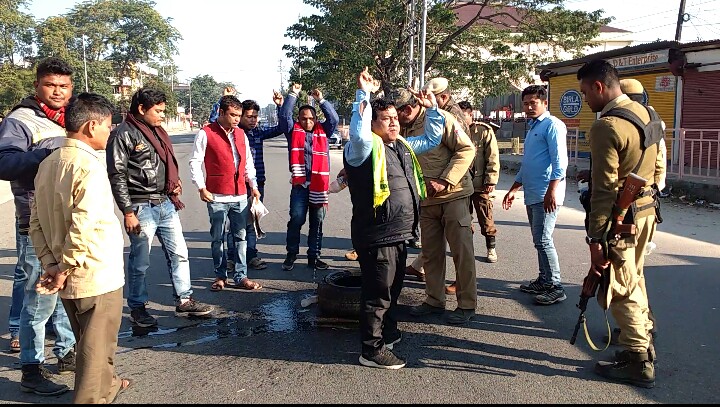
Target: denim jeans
[237, 213]
[542, 225]
[18, 291]
[252, 251]
[161, 220]
[37, 309]
[299, 207]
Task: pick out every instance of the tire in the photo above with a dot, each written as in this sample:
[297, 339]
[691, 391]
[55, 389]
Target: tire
[339, 295]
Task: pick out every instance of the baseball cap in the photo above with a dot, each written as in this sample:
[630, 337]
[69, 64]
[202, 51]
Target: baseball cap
[401, 97]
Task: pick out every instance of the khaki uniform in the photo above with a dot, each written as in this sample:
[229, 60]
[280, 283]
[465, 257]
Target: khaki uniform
[615, 145]
[485, 171]
[446, 217]
[453, 108]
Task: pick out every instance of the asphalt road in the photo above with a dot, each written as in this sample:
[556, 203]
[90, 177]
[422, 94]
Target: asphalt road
[263, 347]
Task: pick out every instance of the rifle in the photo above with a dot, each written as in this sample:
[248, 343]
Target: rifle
[616, 230]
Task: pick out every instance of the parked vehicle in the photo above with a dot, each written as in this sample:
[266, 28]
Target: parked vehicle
[336, 141]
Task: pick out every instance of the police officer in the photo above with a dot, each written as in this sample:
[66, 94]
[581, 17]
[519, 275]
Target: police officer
[441, 88]
[445, 214]
[617, 150]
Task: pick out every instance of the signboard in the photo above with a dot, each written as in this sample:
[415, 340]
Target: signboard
[640, 61]
[665, 83]
[570, 103]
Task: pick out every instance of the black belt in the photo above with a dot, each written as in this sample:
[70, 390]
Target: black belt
[153, 202]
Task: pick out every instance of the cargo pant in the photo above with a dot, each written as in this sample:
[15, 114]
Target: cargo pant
[484, 210]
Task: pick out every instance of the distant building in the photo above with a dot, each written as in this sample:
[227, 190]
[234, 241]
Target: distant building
[125, 87]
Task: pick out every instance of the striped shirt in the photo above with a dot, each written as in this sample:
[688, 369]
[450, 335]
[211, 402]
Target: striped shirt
[256, 137]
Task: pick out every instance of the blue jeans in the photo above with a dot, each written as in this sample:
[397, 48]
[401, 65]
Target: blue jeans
[18, 291]
[37, 309]
[542, 225]
[161, 220]
[237, 213]
[252, 251]
[299, 207]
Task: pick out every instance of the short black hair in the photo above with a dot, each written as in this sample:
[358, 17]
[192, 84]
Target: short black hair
[535, 90]
[250, 105]
[84, 108]
[230, 101]
[599, 70]
[465, 105]
[148, 97]
[53, 66]
[307, 107]
[380, 105]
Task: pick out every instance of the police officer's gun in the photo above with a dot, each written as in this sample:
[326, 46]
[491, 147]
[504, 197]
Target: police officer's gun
[616, 230]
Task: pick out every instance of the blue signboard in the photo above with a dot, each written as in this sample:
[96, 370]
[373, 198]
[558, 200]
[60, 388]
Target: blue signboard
[570, 103]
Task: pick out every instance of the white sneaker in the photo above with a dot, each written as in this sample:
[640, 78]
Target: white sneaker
[492, 256]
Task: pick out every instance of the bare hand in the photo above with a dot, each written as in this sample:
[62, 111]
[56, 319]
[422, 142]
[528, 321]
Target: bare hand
[508, 200]
[549, 203]
[316, 94]
[488, 189]
[228, 91]
[296, 88]
[341, 173]
[51, 281]
[278, 98]
[206, 196]
[597, 257]
[178, 189]
[132, 224]
[436, 187]
[255, 193]
[424, 97]
[367, 83]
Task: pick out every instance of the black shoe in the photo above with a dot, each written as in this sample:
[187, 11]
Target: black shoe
[425, 309]
[141, 318]
[414, 244]
[289, 262]
[34, 381]
[535, 287]
[384, 359]
[392, 339]
[66, 365]
[193, 308]
[460, 316]
[631, 368]
[318, 264]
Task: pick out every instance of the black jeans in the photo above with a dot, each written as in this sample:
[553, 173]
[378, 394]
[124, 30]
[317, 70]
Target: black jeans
[383, 271]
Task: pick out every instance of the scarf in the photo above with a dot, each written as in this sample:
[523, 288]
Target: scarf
[320, 171]
[381, 189]
[58, 116]
[162, 145]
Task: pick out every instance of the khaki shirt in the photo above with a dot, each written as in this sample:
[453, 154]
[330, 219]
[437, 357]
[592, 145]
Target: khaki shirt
[450, 161]
[615, 147]
[486, 167]
[73, 222]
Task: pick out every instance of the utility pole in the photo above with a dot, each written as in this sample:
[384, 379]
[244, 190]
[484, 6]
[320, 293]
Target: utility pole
[680, 21]
[85, 64]
[280, 69]
[421, 73]
[411, 32]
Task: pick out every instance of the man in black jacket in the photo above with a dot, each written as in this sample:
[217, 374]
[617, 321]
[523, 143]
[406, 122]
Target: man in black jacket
[146, 184]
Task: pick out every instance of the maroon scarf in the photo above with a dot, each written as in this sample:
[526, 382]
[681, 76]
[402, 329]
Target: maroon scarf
[58, 116]
[163, 147]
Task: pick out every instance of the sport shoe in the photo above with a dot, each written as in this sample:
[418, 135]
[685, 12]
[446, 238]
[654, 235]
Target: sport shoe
[536, 287]
[66, 365]
[384, 359]
[289, 262]
[425, 309]
[555, 294]
[318, 264]
[492, 255]
[193, 308]
[257, 263]
[141, 318]
[35, 381]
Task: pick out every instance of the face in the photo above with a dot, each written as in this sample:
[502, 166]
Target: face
[533, 106]
[442, 100]
[230, 118]
[406, 115]
[100, 132]
[468, 116]
[306, 118]
[54, 90]
[153, 116]
[593, 94]
[249, 119]
[386, 125]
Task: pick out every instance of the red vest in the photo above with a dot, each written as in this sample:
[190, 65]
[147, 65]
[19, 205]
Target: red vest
[222, 176]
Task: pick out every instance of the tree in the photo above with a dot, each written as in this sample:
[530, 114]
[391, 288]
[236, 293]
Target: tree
[17, 83]
[16, 30]
[481, 54]
[205, 92]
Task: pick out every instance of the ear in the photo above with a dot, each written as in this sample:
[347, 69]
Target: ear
[141, 110]
[35, 84]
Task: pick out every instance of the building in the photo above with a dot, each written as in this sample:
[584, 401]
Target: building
[125, 87]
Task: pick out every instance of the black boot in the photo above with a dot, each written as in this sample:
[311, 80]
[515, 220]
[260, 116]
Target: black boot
[66, 365]
[634, 368]
[33, 381]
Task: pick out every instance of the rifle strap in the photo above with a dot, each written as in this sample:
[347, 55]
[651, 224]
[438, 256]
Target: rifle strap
[590, 342]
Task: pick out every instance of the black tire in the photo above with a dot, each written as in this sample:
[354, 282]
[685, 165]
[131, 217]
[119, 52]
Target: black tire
[339, 295]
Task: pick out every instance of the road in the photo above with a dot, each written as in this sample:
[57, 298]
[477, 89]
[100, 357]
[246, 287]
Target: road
[262, 347]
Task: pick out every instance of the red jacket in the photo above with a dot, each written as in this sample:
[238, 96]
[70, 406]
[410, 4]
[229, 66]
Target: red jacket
[222, 176]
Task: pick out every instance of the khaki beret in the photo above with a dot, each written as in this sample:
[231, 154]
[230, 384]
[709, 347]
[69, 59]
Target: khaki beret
[631, 86]
[401, 97]
[437, 85]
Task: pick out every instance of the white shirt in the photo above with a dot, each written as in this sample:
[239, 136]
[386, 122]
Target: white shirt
[198, 158]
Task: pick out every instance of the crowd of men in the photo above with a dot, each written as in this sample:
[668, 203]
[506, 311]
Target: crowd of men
[416, 163]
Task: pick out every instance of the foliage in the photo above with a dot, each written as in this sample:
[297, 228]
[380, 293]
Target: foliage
[17, 84]
[205, 92]
[16, 29]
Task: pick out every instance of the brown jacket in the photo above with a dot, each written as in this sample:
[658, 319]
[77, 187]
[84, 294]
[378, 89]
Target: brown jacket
[449, 161]
[486, 167]
[615, 146]
[453, 108]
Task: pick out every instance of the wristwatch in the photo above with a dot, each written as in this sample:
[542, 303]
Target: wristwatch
[590, 240]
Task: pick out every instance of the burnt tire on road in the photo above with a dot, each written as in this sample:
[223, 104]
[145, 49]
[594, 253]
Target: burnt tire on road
[339, 295]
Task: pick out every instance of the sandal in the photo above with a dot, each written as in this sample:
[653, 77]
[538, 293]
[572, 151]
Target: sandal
[257, 263]
[15, 344]
[124, 384]
[247, 284]
[218, 285]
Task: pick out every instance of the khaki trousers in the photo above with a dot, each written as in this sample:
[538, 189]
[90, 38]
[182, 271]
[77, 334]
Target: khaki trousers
[448, 222]
[96, 323]
[484, 210]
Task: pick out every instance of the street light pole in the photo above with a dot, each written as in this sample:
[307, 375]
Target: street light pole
[422, 45]
[411, 56]
[85, 64]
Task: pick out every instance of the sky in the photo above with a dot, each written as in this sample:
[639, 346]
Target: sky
[240, 41]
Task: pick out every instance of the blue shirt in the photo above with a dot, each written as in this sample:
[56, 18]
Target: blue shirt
[256, 137]
[359, 147]
[545, 159]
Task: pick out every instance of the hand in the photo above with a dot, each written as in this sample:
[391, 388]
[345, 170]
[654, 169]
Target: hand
[597, 258]
[296, 88]
[51, 281]
[508, 200]
[228, 91]
[316, 94]
[278, 98]
[255, 193]
[436, 187]
[367, 83]
[205, 195]
[341, 173]
[488, 189]
[132, 224]
[549, 203]
[425, 98]
[583, 176]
